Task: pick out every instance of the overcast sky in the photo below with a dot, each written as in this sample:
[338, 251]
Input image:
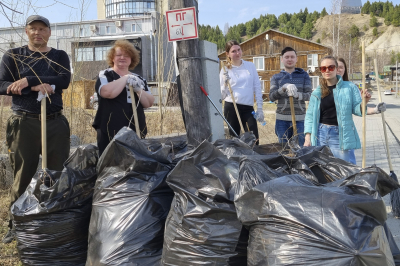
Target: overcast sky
[211, 12]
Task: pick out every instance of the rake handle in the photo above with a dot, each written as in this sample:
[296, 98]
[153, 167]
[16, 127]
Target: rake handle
[233, 101]
[135, 116]
[293, 115]
[383, 119]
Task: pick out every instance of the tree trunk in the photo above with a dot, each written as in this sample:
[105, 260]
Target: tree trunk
[194, 102]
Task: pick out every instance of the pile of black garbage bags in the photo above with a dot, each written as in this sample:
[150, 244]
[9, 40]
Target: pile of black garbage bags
[162, 202]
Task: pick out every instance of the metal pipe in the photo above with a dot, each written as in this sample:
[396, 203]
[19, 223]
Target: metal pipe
[230, 127]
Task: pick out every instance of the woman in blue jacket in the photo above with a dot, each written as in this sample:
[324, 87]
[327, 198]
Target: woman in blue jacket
[329, 118]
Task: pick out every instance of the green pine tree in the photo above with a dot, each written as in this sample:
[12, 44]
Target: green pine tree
[323, 13]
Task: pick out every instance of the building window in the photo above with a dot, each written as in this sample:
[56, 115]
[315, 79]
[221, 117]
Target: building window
[111, 29]
[314, 82]
[136, 27]
[100, 53]
[81, 32]
[259, 62]
[312, 60]
[128, 8]
[83, 54]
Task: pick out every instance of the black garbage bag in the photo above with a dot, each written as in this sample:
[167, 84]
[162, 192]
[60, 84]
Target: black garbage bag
[395, 197]
[202, 227]
[233, 147]
[269, 148]
[371, 181]
[325, 166]
[287, 165]
[292, 221]
[237, 146]
[178, 143]
[130, 203]
[252, 172]
[314, 163]
[51, 218]
[393, 246]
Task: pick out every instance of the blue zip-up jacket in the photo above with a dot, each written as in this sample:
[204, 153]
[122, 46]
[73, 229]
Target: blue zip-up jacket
[348, 102]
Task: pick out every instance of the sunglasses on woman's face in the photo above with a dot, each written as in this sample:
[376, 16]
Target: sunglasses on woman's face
[330, 68]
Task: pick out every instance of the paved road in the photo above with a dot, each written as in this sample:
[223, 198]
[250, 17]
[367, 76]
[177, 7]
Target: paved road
[376, 149]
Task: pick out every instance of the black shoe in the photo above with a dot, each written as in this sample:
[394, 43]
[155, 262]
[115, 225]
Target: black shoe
[9, 237]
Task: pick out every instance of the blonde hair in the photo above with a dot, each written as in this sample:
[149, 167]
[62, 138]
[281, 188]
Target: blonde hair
[322, 81]
[128, 48]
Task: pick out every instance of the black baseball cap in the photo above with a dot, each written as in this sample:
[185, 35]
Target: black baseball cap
[33, 18]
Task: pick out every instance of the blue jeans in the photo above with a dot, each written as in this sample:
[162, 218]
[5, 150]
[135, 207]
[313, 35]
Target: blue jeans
[284, 131]
[329, 136]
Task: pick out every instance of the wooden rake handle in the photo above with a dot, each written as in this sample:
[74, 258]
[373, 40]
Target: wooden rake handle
[293, 115]
[383, 118]
[233, 100]
[44, 132]
[135, 116]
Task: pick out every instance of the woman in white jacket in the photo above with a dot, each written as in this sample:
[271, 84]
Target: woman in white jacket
[243, 78]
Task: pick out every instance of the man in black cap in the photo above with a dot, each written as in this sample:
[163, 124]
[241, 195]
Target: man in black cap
[24, 72]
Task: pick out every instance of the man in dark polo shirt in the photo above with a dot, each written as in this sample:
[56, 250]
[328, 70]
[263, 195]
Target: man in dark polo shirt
[25, 71]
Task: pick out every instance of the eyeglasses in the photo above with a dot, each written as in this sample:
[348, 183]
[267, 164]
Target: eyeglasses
[330, 68]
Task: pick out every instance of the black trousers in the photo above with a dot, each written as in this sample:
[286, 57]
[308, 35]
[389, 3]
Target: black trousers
[102, 141]
[248, 121]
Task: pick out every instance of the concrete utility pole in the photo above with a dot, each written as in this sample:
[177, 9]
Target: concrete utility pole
[197, 119]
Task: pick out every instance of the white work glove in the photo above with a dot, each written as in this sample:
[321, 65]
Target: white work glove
[292, 91]
[226, 78]
[380, 107]
[260, 115]
[224, 94]
[135, 82]
[41, 95]
[282, 90]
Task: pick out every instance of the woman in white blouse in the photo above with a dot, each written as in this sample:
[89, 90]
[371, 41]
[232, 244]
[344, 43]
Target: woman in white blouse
[243, 78]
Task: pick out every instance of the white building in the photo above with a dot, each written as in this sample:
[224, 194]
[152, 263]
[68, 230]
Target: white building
[351, 6]
[87, 42]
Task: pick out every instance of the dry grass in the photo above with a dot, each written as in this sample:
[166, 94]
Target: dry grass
[267, 132]
[8, 252]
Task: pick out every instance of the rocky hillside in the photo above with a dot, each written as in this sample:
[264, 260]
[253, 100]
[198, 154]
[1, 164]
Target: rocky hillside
[388, 37]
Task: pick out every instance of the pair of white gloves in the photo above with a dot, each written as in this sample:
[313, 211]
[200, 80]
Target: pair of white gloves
[136, 83]
[290, 90]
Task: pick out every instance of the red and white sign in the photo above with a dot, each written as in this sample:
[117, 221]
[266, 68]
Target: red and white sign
[182, 24]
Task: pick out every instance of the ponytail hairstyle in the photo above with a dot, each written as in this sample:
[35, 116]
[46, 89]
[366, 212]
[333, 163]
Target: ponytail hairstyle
[322, 81]
[228, 47]
[345, 75]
